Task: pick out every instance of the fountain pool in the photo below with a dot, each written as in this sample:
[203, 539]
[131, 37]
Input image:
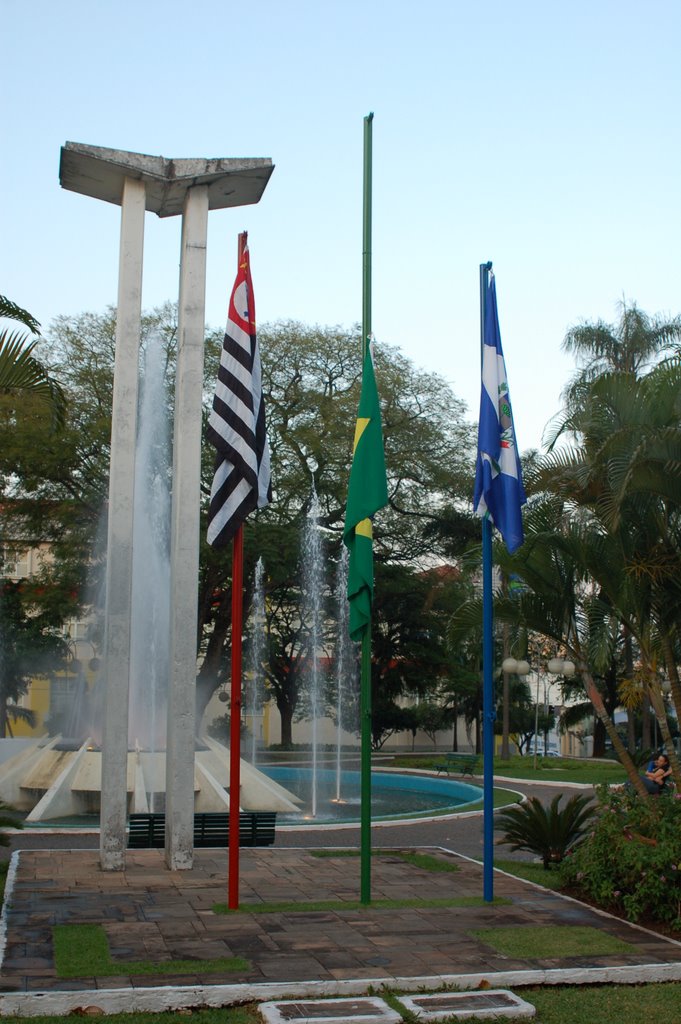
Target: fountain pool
[393, 795]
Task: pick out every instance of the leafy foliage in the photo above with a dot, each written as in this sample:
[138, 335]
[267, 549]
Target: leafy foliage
[631, 860]
[29, 644]
[54, 490]
[21, 372]
[8, 819]
[311, 381]
[549, 831]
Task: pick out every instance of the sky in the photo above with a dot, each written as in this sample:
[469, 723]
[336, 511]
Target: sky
[541, 136]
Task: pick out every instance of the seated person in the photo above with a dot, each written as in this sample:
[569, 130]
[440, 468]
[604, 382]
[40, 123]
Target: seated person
[655, 779]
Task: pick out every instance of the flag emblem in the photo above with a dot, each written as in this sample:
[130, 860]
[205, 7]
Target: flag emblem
[367, 493]
[236, 426]
[499, 490]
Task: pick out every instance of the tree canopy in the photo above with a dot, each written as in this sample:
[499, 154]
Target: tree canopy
[54, 488]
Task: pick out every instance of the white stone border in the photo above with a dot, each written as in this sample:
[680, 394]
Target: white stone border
[9, 886]
[158, 999]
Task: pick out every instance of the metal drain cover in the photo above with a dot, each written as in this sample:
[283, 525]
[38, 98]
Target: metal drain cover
[490, 1004]
[329, 1011]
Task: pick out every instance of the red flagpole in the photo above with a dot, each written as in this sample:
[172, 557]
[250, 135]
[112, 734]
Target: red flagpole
[235, 708]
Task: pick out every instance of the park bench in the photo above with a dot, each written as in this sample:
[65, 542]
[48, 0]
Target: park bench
[256, 828]
[465, 764]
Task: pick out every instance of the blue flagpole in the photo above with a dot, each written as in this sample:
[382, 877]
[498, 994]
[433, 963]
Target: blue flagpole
[488, 713]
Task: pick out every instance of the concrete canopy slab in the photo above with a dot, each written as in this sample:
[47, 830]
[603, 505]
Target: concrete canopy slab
[100, 172]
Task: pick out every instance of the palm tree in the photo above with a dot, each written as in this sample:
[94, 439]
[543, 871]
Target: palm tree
[551, 832]
[628, 346]
[569, 565]
[20, 371]
[626, 474]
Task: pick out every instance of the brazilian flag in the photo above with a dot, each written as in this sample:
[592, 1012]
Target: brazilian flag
[367, 492]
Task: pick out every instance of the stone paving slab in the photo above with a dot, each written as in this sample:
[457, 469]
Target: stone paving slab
[151, 913]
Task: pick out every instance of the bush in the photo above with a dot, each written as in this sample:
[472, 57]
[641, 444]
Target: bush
[631, 861]
[8, 820]
[551, 832]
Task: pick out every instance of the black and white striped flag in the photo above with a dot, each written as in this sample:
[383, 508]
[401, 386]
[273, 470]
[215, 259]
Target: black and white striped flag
[237, 423]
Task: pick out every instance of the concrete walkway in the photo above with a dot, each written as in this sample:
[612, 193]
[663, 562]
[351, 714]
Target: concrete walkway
[149, 913]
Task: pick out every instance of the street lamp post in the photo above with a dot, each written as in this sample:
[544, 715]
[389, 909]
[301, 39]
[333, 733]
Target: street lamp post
[536, 723]
[519, 668]
[555, 666]
[560, 667]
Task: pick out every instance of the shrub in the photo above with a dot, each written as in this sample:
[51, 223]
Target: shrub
[8, 820]
[550, 832]
[631, 861]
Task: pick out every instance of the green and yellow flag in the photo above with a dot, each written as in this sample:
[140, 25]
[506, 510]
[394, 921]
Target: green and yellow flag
[367, 492]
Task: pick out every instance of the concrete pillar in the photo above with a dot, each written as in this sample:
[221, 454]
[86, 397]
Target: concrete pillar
[119, 557]
[184, 550]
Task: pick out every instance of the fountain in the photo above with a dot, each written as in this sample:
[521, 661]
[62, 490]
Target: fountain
[313, 575]
[257, 648]
[61, 777]
[344, 659]
[149, 665]
[393, 795]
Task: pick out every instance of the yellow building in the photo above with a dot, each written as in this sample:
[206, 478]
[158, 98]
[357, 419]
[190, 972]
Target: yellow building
[56, 692]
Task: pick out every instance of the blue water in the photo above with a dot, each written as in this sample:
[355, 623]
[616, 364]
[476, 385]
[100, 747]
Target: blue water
[392, 795]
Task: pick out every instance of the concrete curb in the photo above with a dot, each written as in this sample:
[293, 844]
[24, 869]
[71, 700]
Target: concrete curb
[157, 999]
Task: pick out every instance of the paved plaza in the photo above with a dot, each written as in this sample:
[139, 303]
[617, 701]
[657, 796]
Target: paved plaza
[150, 913]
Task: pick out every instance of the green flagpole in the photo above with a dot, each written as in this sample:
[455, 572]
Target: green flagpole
[365, 678]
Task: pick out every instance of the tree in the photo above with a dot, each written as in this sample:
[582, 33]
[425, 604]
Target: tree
[634, 343]
[522, 713]
[29, 646]
[387, 718]
[311, 380]
[624, 475]
[431, 718]
[559, 601]
[55, 491]
[54, 487]
[21, 372]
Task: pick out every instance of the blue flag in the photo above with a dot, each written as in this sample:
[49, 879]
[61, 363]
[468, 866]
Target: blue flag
[499, 488]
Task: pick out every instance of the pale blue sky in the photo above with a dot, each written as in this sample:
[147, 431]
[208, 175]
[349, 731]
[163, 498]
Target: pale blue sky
[542, 136]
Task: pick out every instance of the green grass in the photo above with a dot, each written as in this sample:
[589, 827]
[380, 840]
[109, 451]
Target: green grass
[562, 769]
[530, 872]
[542, 941]
[4, 868]
[343, 905]
[82, 951]
[606, 1004]
[501, 798]
[575, 1004]
[555, 769]
[425, 861]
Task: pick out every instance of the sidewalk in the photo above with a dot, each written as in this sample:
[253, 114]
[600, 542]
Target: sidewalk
[150, 913]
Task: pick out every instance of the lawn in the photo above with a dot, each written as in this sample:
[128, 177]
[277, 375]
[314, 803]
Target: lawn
[602, 1004]
[549, 769]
